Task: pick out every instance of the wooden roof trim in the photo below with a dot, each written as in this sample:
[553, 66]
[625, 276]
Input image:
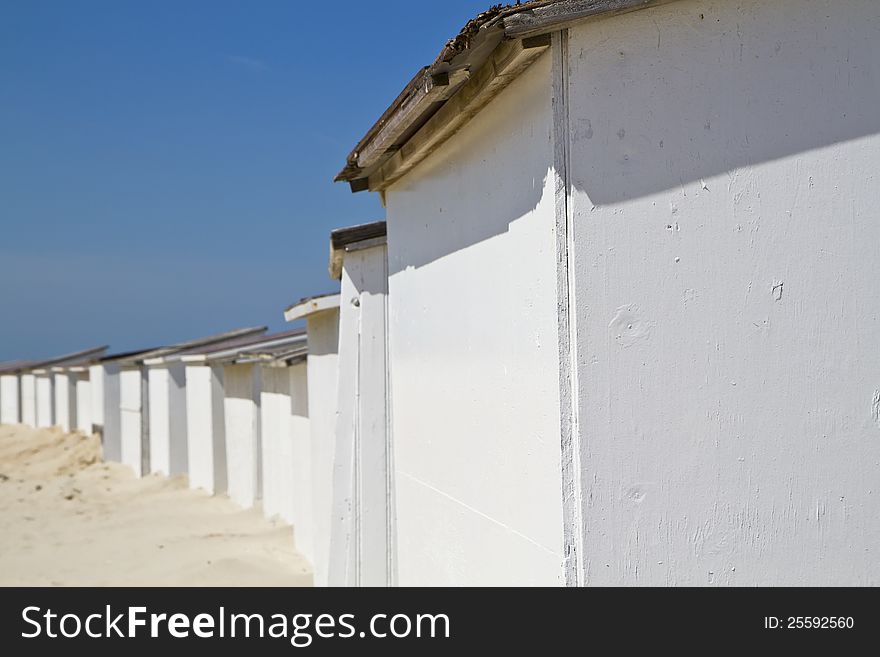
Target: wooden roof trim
[466, 64]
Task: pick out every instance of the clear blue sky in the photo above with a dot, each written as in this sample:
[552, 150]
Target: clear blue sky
[166, 166]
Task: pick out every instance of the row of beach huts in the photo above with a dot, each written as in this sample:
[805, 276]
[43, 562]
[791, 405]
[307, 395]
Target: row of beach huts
[621, 325]
[254, 415]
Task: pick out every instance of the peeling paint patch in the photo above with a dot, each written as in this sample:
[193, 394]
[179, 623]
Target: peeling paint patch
[777, 291]
[875, 408]
[627, 328]
[636, 493]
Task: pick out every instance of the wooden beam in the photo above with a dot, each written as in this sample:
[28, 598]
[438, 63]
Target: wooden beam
[434, 89]
[508, 60]
[550, 18]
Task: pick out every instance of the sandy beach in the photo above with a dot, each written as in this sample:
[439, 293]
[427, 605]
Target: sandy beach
[69, 519]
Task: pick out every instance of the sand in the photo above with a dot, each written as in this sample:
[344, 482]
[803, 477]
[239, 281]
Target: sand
[69, 519]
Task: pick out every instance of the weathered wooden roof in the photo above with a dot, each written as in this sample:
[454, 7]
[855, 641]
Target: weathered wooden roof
[76, 358]
[471, 69]
[278, 354]
[342, 239]
[311, 305]
[231, 350]
[13, 366]
[161, 353]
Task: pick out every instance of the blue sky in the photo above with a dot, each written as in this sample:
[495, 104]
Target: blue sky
[166, 166]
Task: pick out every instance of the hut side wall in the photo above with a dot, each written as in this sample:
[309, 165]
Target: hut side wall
[724, 169]
[96, 392]
[474, 350]
[45, 400]
[241, 384]
[301, 476]
[111, 430]
[64, 385]
[323, 331]
[29, 400]
[206, 435]
[275, 422]
[132, 417]
[83, 396]
[362, 547]
[10, 399]
[167, 411]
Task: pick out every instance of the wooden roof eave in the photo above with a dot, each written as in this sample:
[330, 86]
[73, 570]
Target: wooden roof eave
[497, 47]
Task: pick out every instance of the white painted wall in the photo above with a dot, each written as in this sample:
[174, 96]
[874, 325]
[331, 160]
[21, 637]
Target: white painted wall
[300, 492]
[167, 412]
[724, 162]
[29, 399]
[65, 401]
[45, 400]
[206, 437]
[10, 399]
[83, 397]
[241, 389]
[362, 547]
[322, 361]
[133, 418]
[276, 427]
[474, 355]
[111, 430]
[96, 392]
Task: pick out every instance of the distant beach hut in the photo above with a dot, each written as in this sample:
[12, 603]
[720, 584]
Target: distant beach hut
[321, 314]
[135, 403]
[203, 444]
[43, 388]
[105, 393]
[72, 390]
[241, 382]
[362, 543]
[10, 391]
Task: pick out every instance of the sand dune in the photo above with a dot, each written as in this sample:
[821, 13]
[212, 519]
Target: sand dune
[69, 519]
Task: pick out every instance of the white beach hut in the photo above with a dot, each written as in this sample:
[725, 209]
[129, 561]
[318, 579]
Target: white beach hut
[362, 532]
[284, 454]
[251, 465]
[135, 403]
[204, 439]
[72, 389]
[633, 303]
[104, 381]
[322, 326]
[38, 389]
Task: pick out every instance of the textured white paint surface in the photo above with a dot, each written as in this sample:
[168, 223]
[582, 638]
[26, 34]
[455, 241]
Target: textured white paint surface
[361, 548]
[83, 397]
[65, 401]
[111, 438]
[299, 489]
[167, 412]
[29, 400]
[474, 351]
[241, 386]
[206, 437]
[724, 162]
[131, 417]
[323, 331]
[96, 392]
[45, 400]
[10, 399]
[277, 451]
